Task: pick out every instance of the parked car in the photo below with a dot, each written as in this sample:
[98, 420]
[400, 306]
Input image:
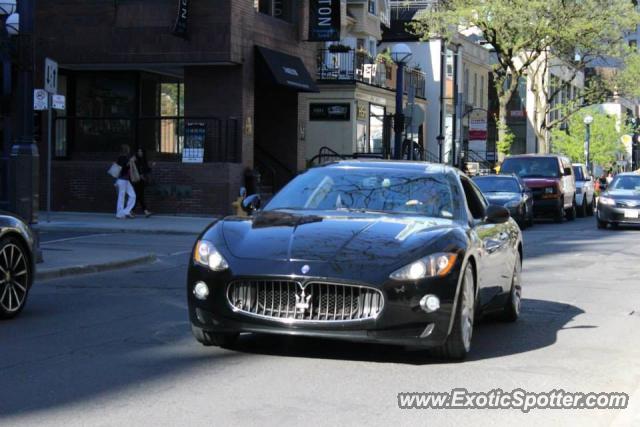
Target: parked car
[17, 264]
[512, 193]
[620, 203]
[585, 190]
[550, 178]
[392, 252]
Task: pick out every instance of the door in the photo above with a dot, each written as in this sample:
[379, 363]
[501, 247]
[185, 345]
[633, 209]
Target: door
[494, 243]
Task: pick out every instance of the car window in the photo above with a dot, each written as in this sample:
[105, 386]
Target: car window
[626, 182]
[579, 173]
[496, 184]
[371, 189]
[475, 200]
[532, 167]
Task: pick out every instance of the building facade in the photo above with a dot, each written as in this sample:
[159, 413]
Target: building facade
[209, 91]
[352, 112]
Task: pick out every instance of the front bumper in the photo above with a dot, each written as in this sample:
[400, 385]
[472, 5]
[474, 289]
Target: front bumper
[618, 215]
[543, 207]
[400, 322]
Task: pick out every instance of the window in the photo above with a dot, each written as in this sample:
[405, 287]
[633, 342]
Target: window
[475, 200]
[372, 6]
[281, 9]
[376, 127]
[475, 89]
[481, 103]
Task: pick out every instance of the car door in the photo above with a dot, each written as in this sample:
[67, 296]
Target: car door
[568, 182]
[492, 238]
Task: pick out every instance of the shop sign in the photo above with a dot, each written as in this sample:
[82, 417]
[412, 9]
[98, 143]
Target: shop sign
[362, 111]
[330, 112]
[195, 135]
[324, 20]
[180, 28]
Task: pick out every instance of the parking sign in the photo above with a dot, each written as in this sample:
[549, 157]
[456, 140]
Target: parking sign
[50, 76]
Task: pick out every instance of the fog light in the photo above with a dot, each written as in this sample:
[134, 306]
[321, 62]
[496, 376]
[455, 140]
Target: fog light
[201, 290]
[430, 303]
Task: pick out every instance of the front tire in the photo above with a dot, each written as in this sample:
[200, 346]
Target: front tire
[601, 224]
[511, 310]
[15, 277]
[559, 216]
[590, 208]
[210, 339]
[583, 208]
[458, 343]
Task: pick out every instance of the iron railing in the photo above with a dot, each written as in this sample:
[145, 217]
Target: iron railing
[163, 135]
[355, 66]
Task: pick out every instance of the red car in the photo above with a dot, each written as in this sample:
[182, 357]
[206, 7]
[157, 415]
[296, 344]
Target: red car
[550, 177]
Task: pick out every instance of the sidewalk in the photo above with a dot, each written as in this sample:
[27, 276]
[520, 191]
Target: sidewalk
[101, 222]
[80, 243]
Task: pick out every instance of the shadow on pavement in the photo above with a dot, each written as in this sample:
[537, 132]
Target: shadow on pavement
[537, 328]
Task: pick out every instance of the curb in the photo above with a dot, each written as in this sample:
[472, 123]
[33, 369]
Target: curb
[93, 268]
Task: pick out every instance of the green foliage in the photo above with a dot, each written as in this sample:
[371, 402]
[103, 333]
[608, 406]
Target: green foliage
[523, 31]
[503, 145]
[627, 81]
[605, 138]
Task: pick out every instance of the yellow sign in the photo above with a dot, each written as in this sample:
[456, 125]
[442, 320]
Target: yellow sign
[362, 111]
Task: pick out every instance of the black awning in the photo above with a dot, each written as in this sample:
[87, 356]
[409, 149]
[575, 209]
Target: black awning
[287, 70]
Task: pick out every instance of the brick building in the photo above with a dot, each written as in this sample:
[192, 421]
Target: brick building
[141, 73]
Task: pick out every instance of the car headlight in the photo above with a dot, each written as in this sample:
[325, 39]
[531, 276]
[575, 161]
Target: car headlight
[436, 265]
[608, 201]
[512, 204]
[207, 255]
[549, 190]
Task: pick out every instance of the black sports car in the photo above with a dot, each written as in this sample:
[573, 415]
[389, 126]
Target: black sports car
[620, 203]
[17, 264]
[511, 192]
[392, 252]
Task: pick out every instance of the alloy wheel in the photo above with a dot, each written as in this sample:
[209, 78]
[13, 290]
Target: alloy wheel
[516, 290]
[14, 278]
[467, 312]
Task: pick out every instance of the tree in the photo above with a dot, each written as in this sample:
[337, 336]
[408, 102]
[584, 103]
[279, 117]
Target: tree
[524, 32]
[605, 144]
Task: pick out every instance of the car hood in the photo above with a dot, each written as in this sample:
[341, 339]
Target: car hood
[283, 235]
[501, 198]
[540, 182]
[624, 194]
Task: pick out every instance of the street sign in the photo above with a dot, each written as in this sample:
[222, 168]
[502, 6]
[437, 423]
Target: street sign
[58, 102]
[50, 75]
[40, 100]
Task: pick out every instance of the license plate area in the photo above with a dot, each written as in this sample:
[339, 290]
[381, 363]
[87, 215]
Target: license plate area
[631, 213]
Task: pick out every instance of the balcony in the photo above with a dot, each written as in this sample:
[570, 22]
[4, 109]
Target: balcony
[351, 66]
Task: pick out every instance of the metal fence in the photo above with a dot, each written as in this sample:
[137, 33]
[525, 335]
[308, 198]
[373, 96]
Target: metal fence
[167, 136]
[355, 66]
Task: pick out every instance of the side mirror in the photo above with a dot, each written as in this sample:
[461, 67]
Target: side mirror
[567, 171]
[251, 203]
[497, 214]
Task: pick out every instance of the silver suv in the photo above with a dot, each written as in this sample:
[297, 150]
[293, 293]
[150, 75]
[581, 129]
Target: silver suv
[585, 190]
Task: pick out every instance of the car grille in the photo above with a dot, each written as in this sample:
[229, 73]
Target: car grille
[317, 301]
[627, 204]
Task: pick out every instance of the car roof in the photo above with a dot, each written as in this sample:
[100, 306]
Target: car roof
[535, 155]
[628, 174]
[511, 176]
[577, 164]
[397, 165]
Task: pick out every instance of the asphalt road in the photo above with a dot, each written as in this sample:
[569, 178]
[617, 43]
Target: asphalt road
[115, 349]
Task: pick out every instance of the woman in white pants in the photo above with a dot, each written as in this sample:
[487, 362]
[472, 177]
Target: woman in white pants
[123, 184]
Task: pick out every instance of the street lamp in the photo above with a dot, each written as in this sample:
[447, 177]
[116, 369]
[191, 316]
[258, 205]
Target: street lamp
[588, 119]
[401, 54]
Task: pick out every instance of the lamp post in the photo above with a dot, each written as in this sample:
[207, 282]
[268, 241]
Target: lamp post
[401, 54]
[24, 159]
[587, 140]
[7, 16]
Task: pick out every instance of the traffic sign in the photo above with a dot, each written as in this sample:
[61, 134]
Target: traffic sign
[50, 75]
[58, 102]
[40, 100]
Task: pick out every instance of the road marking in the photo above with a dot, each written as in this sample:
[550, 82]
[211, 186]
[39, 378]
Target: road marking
[73, 238]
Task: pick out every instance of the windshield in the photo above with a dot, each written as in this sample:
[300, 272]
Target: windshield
[497, 185]
[625, 182]
[369, 189]
[532, 167]
[577, 171]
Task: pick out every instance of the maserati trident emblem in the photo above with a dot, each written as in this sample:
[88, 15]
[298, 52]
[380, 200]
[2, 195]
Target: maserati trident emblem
[305, 269]
[302, 302]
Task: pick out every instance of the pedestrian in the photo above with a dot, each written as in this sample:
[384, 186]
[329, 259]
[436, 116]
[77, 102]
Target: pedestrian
[123, 184]
[609, 177]
[144, 171]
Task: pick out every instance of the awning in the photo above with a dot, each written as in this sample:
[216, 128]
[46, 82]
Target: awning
[287, 70]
